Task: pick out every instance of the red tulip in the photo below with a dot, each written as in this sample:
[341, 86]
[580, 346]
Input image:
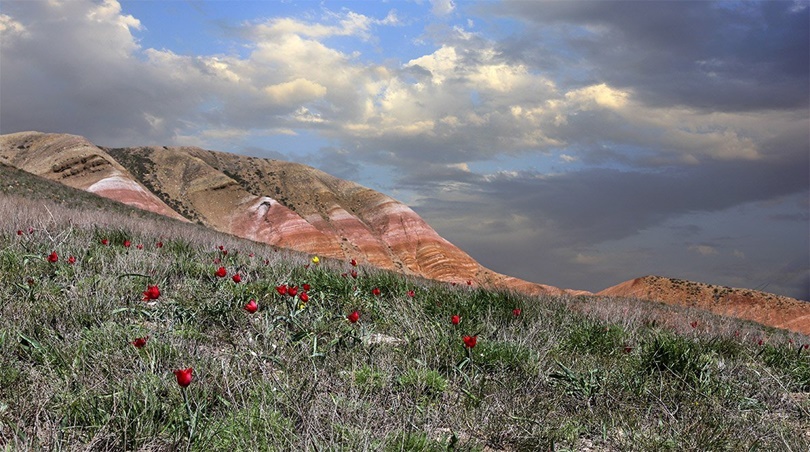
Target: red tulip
[105, 242]
[140, 342]
[127, 243]
[140, 246]
[224, 252]
[303, 297]
[354, 263]
[292, 291]
[306, 287]
[72, 260]
[30, 230]
[354, 274]
[19, 232]
[183, 376]
[353, 317]
[375, 291]
[159, 245]
[151, 293]
[455, 320]
[516, 312]
[411, 293]
[53, 257]
[470, 341]
[806, 346]
[282, 289]
[469, 283]
[237, 278]
[694, 324]
[220, 273]
[759, 342]
[221, 247]
[251, 307]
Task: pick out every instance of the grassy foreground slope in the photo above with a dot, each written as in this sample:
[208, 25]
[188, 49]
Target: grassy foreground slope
[562, 373]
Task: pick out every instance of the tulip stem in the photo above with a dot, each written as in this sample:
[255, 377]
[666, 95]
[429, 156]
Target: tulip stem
[192, 418]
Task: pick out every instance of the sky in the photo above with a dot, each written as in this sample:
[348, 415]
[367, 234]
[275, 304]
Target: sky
[578, 144]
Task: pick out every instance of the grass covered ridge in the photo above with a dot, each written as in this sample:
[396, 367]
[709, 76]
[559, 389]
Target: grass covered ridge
[562, 373]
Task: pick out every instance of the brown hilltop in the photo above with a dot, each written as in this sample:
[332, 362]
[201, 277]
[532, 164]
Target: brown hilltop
[769, 309]
[280, 203]
[74, 161]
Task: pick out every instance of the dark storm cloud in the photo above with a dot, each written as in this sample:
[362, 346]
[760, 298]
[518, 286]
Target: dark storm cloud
[594, 205]
[50, 84]
[730, 56]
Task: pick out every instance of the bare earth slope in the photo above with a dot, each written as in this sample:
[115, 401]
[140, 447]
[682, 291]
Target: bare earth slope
[298, 207]
[761, 307]
[74, 161]
[275, 202]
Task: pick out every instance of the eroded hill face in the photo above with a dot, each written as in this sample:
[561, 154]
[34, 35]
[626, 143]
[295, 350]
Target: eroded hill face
[279, 203]
[74, 161]
[298, 207]
[761, 307]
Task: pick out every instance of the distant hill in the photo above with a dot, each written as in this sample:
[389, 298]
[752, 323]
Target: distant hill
[762, 307]
[298, 207]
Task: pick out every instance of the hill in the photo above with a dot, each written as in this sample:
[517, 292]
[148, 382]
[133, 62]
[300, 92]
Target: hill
[279, 203]
[762, 307]
[118, 333]
[295, 206]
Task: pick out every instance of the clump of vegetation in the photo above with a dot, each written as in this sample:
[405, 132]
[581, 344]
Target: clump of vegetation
[141, 342]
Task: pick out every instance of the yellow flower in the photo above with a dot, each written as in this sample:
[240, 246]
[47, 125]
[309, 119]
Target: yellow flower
[316, 260]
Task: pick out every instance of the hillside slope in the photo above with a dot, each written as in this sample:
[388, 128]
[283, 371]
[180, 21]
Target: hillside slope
[762, 307]
[295, 206]
[279, 203]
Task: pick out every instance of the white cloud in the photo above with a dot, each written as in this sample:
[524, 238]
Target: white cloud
[10, 27]
[109, 11]
[466, 96]
[347, 23]
[442, 7]
[597, 96]
[304, 115]
[295, 91]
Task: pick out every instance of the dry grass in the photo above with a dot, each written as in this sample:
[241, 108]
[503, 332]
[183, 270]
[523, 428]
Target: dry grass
[568, 373]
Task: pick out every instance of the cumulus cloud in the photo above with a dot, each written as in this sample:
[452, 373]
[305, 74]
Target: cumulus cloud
[735, 56]
[295, 91]
[442, 7]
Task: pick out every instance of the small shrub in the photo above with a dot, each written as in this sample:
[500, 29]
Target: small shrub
[594, 338]
[422, 381]
[494, 355]
[368, 378]
[675, 355]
